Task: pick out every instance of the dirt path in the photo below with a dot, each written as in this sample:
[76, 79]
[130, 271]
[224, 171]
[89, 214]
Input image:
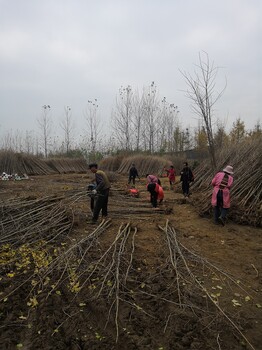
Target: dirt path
[160, 308]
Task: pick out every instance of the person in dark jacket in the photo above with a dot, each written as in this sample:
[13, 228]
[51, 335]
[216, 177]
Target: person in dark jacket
[101, 192]
[133, 174]
[186, 176]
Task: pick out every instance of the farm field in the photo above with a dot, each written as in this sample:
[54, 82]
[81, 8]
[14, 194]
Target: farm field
[162, 279]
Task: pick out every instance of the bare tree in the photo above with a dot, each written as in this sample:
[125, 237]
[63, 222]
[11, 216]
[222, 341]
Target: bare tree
[13, 141]
[144, 122]
[93, 129]
[29, 142]
[67, 126]
[167, 121]
[45, 126]
[177, 137]
[137, 120]
[183, 140]
[162, 130]
[172, 123]
[123, 117]
[202, 93]
[150, 113]
[7, 141]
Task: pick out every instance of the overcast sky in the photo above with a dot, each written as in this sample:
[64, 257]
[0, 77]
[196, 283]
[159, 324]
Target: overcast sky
[66, 52]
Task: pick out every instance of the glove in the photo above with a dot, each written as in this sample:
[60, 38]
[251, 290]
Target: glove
[94, 192]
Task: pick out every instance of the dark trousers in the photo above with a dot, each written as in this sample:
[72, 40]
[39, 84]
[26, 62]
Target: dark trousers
[101, 204]
[185, 187]
[132, 179]
[153, 194]
[153, 198]
[218, 209]
[92, 204]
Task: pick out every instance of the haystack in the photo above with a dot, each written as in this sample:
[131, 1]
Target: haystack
[111, 163]
[20, 163]
[144, 164]
[67, 165]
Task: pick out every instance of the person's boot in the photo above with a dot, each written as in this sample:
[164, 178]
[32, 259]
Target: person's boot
[222, 220]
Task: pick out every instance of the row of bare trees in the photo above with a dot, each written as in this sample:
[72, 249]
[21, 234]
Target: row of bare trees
[45, 141]
[144, 122]
[170, 137]
[141, 121]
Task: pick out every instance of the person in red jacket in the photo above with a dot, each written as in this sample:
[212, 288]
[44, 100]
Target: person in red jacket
[171, 176]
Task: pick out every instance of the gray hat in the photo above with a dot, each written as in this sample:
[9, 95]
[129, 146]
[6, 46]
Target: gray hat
[228, 169]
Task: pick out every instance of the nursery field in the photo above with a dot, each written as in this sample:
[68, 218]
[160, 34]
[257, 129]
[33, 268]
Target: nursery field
[163, 279]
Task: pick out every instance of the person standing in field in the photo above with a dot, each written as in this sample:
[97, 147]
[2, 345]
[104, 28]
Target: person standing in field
[186, 177]
[171, 176]
[220, 201]
[101, 191]
[133, 174]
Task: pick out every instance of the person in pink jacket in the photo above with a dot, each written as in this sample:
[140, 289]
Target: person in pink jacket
[152, 179]
[222, 183]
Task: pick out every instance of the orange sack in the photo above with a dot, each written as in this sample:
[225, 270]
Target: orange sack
[134, 192]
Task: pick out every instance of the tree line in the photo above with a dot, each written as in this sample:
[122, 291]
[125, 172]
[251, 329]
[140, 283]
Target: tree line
[141, 121]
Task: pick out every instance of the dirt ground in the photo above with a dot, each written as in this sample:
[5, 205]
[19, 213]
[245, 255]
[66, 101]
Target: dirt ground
[162, 279]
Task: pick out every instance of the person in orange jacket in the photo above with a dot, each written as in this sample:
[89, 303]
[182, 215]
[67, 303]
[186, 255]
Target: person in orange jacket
[156, 193]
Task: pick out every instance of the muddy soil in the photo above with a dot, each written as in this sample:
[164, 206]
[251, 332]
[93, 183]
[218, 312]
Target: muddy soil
[163, 279]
